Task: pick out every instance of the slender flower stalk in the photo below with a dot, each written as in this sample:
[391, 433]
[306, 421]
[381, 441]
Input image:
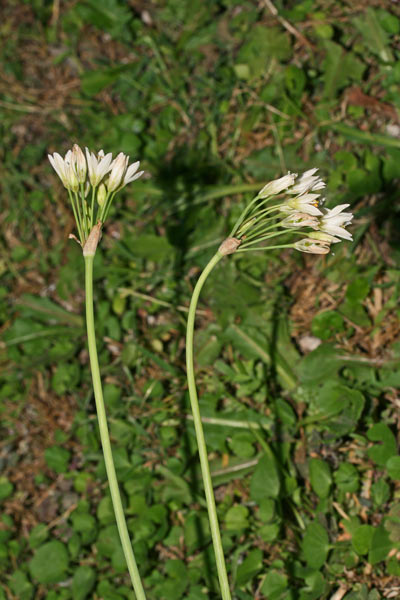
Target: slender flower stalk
[74, 170]
[295, 210]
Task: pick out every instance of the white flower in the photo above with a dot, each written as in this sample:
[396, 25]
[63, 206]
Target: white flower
[307, 203]
[299, 219]
[121, 174]
[98, 166]
[308, 182]
[65, 170]
[79, 163]
[118, 169]
[58, 164]
[132, 174]
[333, 220]
[312, 246]
[277, 185]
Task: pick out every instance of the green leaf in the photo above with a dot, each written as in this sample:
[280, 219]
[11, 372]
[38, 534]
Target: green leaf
[381, 453]
[108, 541]
[326, 324]
[242, 444]
[393, 467]
[249, 568]
[85, 524]
[150, 247]
[358, 289]
[21, 586]
[380, 545]
[83, 582]
[275, 585]
[347, 478]
[319, 364]
[315, 545]
[392, 523]
[320, 477]
[338, 408]
[339, 67]
[95, 81]
[261, 46]
[38, 535]
[196, 531]
[105, 511]
[57, 458]
[380, 492]
[50, 563]
[208, 346]
[6, 488]
[265, 482]
[362, 539]
[65, 378]
[236, 519]
[375, 37]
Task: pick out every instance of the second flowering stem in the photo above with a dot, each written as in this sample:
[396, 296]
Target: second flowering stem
[205, 468]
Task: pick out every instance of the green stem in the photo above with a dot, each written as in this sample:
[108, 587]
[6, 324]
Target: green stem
[92, 207]
[205, 468]
[77, 217]
[104, 435]
[265, 248]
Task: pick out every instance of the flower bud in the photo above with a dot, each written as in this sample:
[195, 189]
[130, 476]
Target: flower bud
[299, 220]
[324, 237]
[312, 246]
[246, 225]
[79, 162]
[72, 180]
[277, 185]
[102, 195]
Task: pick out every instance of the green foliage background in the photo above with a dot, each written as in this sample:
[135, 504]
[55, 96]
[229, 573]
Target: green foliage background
[215, 98]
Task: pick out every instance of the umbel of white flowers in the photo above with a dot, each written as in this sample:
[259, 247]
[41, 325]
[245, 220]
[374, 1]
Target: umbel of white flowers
[92, 180]
[290, 204]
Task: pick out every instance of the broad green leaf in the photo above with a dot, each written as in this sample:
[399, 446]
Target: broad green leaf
[265, 482]
[249, 568]
[339, 67]
[21, 586]
[150, 247]
[380, 453]
[57, 458]
[38, 535]
[83, 582]
[275, 585]
[6, 488]
[315, 545]
[362, 539]
[347, 477]
[375, 37]
[50, 563]
[320, 477]
[196, 531]
[236, 519]
[380, 545]
[260, 47]
[393, 467]
[326, 324]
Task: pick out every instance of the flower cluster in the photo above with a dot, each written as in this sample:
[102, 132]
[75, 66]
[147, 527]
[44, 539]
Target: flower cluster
[296, 207]
[92, 180]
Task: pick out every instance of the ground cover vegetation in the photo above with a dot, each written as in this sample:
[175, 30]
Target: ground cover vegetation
[296, 355]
